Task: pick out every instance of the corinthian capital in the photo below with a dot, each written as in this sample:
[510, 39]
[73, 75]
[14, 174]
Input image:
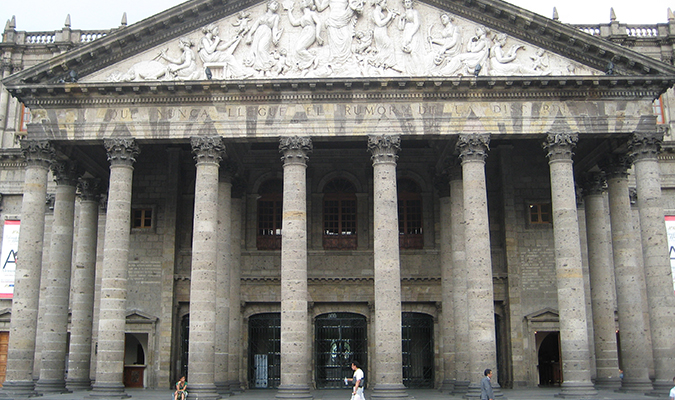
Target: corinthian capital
[645, 145]
[594, 183]
[295, 149]
[559, 146]
[384, 148]
[616, 165]
[66, 172]
[473, 147]
[90, 189]
[208, 149]
[121, 151]
[38, 153]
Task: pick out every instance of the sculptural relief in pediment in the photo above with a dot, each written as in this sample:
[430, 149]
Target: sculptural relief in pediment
[340, 38]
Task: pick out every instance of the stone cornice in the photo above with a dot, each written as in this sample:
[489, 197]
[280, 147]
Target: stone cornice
[458, 88]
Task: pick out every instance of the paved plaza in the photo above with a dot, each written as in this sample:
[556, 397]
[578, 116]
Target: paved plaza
[419, 394]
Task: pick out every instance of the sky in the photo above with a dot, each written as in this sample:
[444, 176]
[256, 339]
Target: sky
[49, 15]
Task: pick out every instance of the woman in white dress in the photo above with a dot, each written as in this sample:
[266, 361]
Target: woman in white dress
[386, 52]
[264, 33]
[412, 41]
[311, 32]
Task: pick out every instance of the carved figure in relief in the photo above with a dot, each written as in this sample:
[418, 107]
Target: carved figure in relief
[386, 53]
[449, 43]
[540, 62]
[340, 27]
[473, 61]
[412, 41]
[141, 71]
[283, 64]
[505, 63]
[183, 67]
[212, 50]
[311, 32]
[264, 34]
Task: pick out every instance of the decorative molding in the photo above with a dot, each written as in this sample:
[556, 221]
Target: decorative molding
[207, 149]
[38, 153]
[645, 145]
[473, 147]
[384, 148]
[559, 146]
[295, 149]
[121, 151]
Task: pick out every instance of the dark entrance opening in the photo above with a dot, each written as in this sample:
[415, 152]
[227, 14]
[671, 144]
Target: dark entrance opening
[264, 350]
[550, 373]
[418, 350]
[184, 346]
[340, 339]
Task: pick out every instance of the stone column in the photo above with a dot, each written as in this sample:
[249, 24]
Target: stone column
[235, 334]
[603, 294]
[387, 269]
[23, 326]
[82, 294]
[223, 280]
[569, 275]
[295, 346]
[460, 311]
[57, 291]
[482, 343]
[644, 150]
[5, 70]
[208, 152]
[447, 279]
[122, 155]
[635, 351]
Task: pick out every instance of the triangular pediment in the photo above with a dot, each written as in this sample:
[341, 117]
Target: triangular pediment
[247, 40]
[543, 315]
[139, 317]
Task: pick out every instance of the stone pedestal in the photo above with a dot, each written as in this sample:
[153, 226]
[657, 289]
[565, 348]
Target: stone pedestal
[208, 153]
[122, 154]
[644, 150]
[83, 283]
[482, 346]
[57, 292]
[603, 298]
[295, 334]
[23, 326]
[387, 270]
[569, 275]
[628, 277]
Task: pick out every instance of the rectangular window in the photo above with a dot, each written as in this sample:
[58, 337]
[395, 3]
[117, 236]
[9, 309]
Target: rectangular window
[339, 222]
[410, 221]
[658, 111]
[269, 222]
[540, 213]
[25, 118]
[142, 218]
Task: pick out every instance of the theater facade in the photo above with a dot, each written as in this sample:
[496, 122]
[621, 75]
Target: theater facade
[255, 194]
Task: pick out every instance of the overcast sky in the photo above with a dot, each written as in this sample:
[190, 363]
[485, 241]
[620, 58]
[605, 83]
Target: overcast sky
[48, 15]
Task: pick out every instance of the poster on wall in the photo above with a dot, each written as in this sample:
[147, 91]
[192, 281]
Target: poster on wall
[670, 228]
[10, 245]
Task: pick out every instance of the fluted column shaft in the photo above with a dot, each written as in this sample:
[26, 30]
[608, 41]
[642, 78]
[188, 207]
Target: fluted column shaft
[387, 269]
[644, 151]
[223, 281]
[460, 310]
[480, 299]
[603, 300]
[57, 292]
[208, 153]
[628, 275]
[122, 154]
[23, 326]
[569, 275]
[295, 347]
[82, 294]
[235, 334]
[447, 320]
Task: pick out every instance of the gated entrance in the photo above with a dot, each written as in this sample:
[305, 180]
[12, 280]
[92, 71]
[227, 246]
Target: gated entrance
[340, 339]
[418, 350]
[264, 350]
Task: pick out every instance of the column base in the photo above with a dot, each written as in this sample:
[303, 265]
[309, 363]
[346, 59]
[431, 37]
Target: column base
[388, 391]
[608, 383]
[78, 384]
[235, 387]
[223, 389]
[661, 389]
[293, 392]
[18, 389]
[461, 387]
[202, 392]
[44, 386]
[448, 386]
[577, 391]
[635, 386]
[108, 391]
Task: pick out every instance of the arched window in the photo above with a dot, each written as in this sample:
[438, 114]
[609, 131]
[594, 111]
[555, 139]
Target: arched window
[410, 215]
[339, 215]
[269, 215]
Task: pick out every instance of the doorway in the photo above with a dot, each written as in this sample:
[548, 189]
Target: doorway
[418, 350]
[264, 351]
[548, 354]
[340, 339]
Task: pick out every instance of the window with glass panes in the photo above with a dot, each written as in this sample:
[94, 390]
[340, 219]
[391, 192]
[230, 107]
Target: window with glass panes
[339, 215]
[142, 218]
[269, 216]
[410, 231]
[540, 213]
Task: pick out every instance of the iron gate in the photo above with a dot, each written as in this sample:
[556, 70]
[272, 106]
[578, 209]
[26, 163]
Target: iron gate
[264, 350]
[185, 346]
[340, 339]
[418, 350]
